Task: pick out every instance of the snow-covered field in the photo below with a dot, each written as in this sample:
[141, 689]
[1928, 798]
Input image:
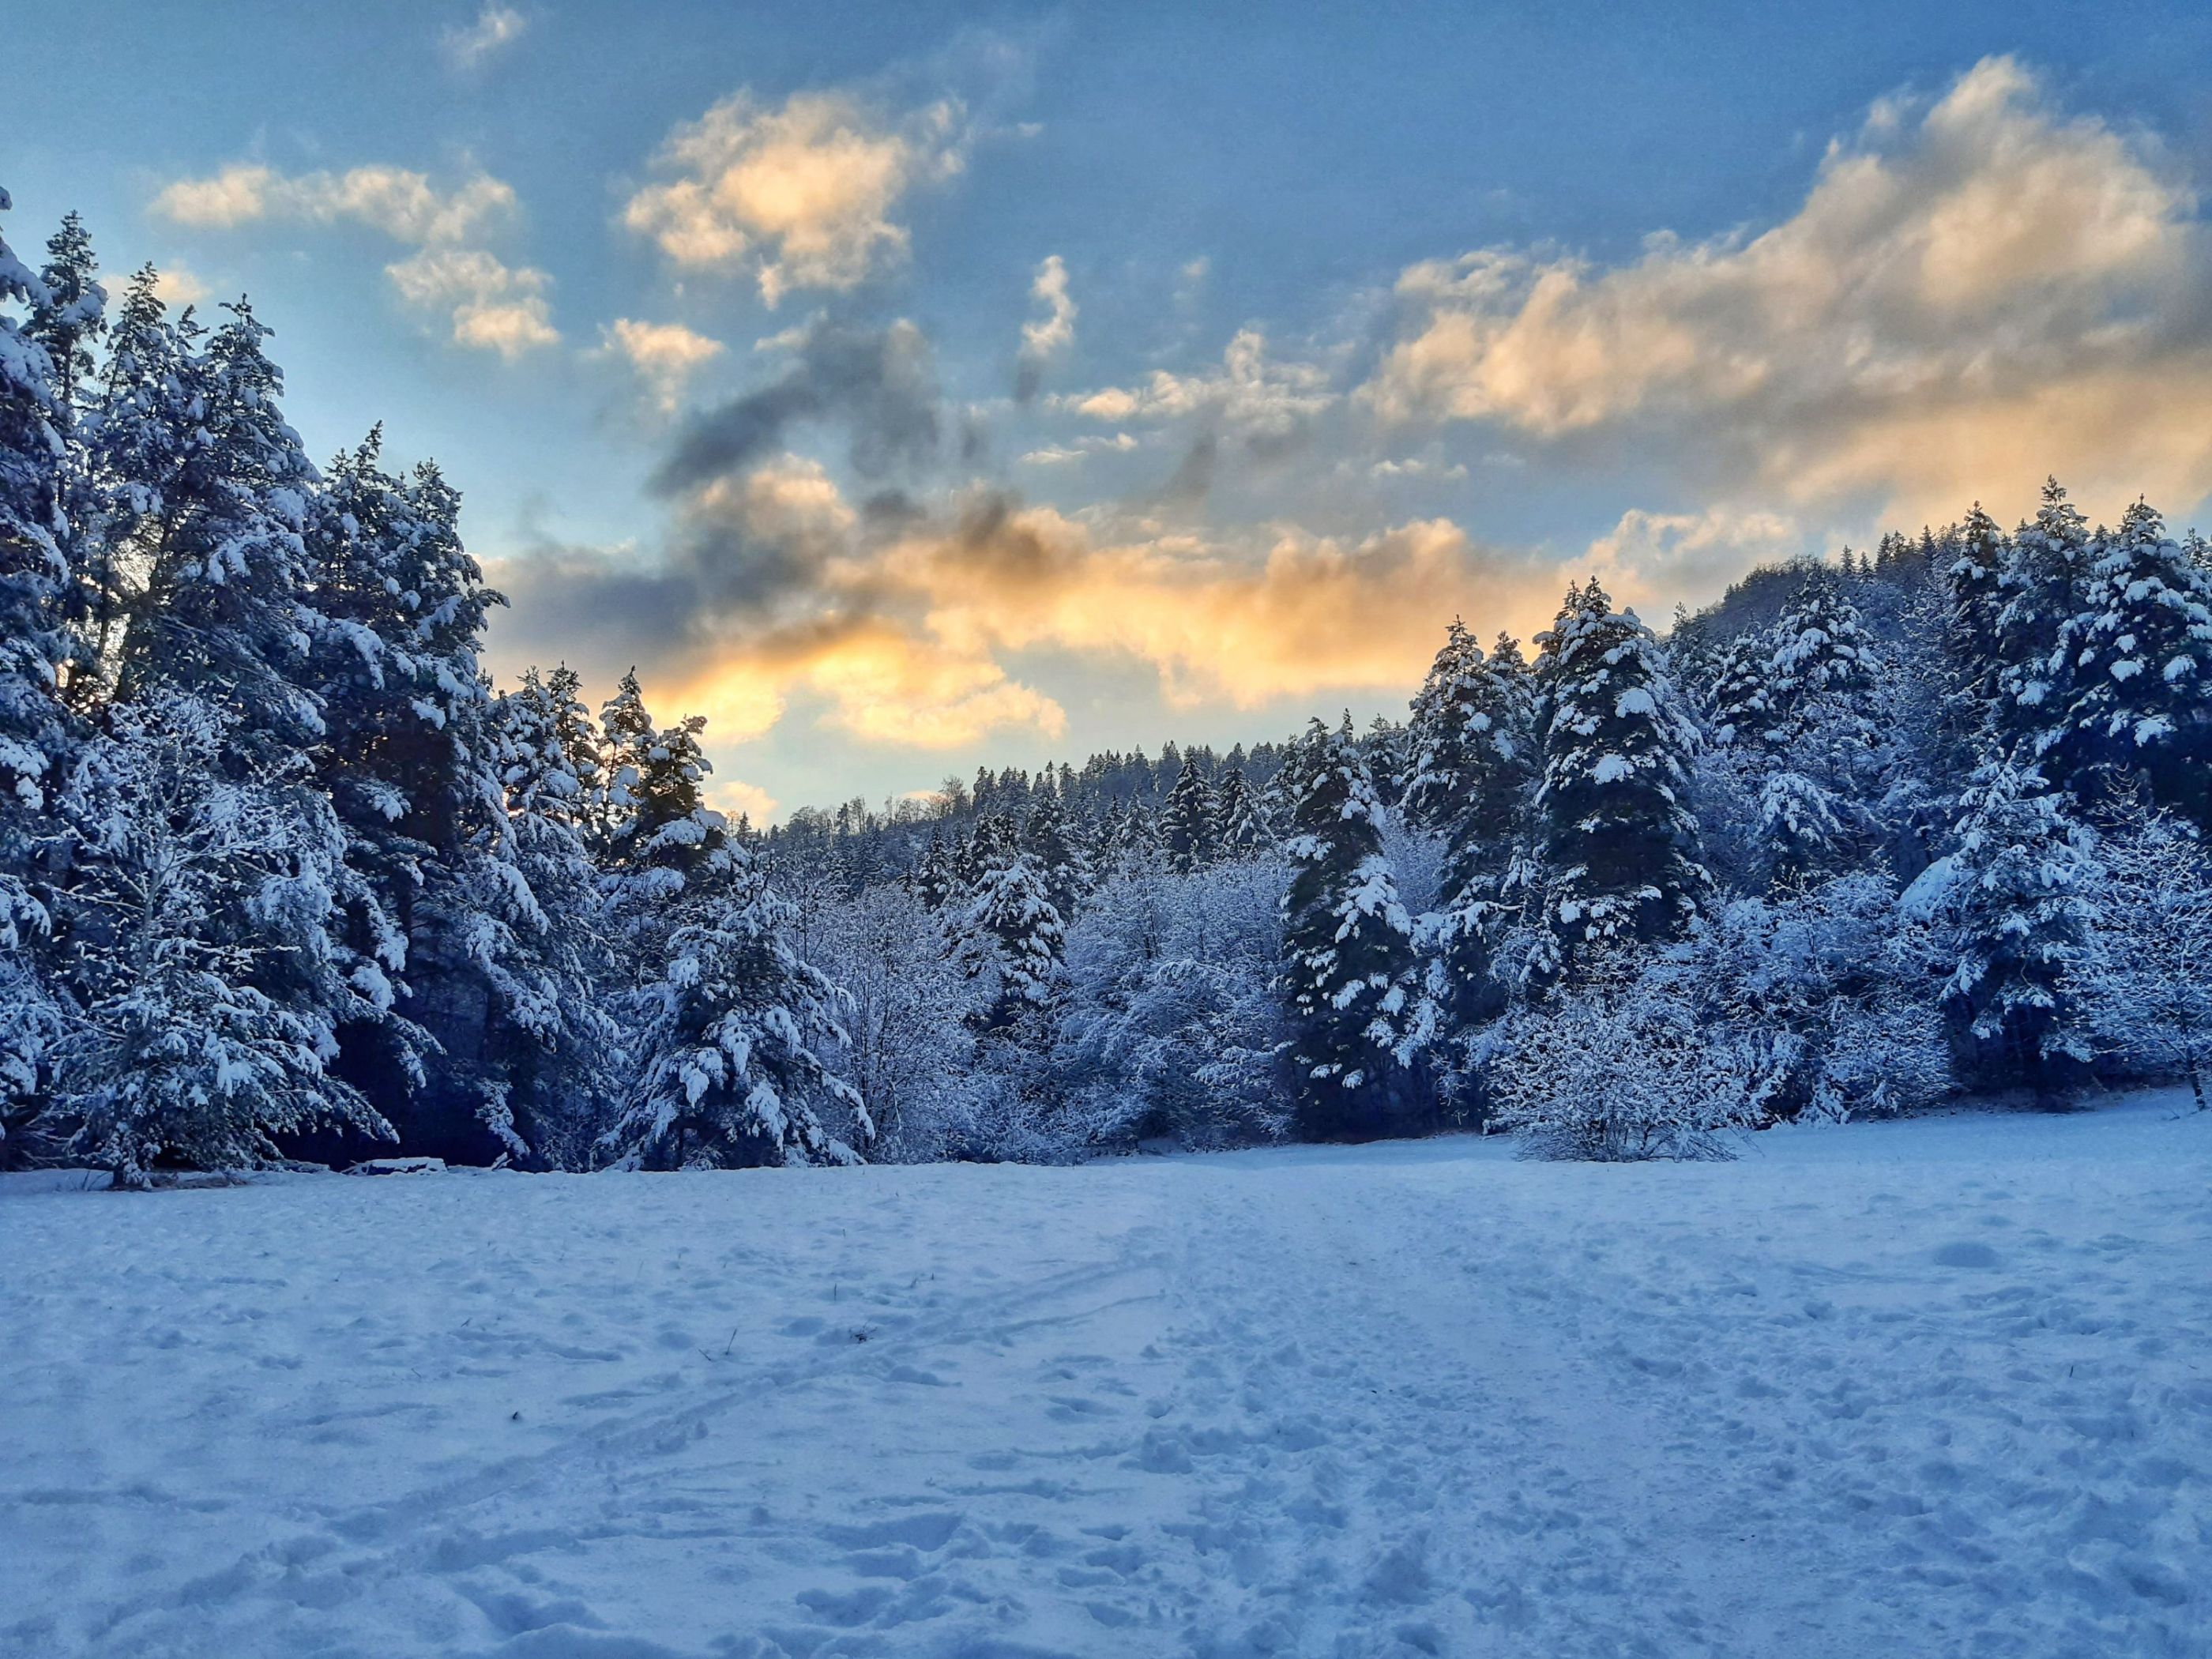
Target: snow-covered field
[1914, 1388]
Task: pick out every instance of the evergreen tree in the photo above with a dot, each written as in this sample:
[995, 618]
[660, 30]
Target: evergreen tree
[1347, 948]
[732, 1045]
[145, 431]
[1436, 734]
[2019, 884]
[223, 614]
[1190, 835]
[1485, 820]
[2041, 583]
[70, 314]
[934, 882]
[1740, 700]
[35, 730]
[1244, 831]
[1012, 929]
[1619, 842]
[2140, 650]
[1046, 837]
[199, 903]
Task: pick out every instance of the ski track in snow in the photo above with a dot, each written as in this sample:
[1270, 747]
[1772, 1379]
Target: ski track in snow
[1928, 1388]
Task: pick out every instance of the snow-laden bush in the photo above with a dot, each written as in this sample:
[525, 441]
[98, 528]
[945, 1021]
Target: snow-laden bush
[911, 1055]
[1625, 1070]
[1171, 1026]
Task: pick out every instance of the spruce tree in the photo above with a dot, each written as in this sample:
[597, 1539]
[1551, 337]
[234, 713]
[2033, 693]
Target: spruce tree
[1484, 819]
[2041, 583]
[223, 613]
[1190, 835]
[732, 1044]
[1347, 959]
[36, 734]
[1619, 842]
[1244, 831]
[2141, 649]
[199, 937]
[1010, 929]
[1046, 837]
[2020, 885]
[70, 314]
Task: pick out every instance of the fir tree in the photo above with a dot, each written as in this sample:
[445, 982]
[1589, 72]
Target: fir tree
[2140, 653]
[70, 314]
[199, 901]
[223, 613]
[1046, 837]
[2018, 882]
[1619, 842]
[1347, 948]
[1010, 929]
[1190, 835]
[1244, 831]
[2041, 581]
[1485, 820]
[35, 729]
[733, 1068]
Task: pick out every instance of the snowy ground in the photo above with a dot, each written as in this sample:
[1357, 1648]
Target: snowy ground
[1923, 1388]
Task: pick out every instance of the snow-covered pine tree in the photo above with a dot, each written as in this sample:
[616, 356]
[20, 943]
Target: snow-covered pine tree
[143, 431]
[2019, 885]
[36, 737]
[198, 903]
[1046, 837]
[1348, 956]
[1739, 699]
[1190, 835]
[72, 312]
[1822, 743]
[1437, 733]
[933, 880]
[2041, 581]
[2140, 651]
[1824, 663]
[578, 735]
[732, 1045]
[1010, 929]
[1619, 842]
[548, 1040]
[1484, 820]
[659, 839]
[223, 613]
[1244, 831]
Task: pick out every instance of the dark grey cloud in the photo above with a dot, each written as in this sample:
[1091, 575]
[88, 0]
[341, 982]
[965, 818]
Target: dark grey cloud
[880, 383]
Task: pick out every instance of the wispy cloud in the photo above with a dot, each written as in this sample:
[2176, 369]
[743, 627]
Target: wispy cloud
[663, 355]
[799, 195]
[1047, 336]
[489, 305]
[471, 45]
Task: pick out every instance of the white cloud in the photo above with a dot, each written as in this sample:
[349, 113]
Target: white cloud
[497, 28]
[663, 355]
[493, 307]
[800, 196]
[1081, 449]
[176, 284]
[736, 798]
[1949, 313]
[1045, 338]
[1250, 394]
[489, 305]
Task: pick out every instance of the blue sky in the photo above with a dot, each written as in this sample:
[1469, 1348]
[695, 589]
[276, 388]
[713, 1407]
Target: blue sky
[1338, 319]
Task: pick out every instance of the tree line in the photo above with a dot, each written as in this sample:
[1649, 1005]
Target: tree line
[283, 875]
